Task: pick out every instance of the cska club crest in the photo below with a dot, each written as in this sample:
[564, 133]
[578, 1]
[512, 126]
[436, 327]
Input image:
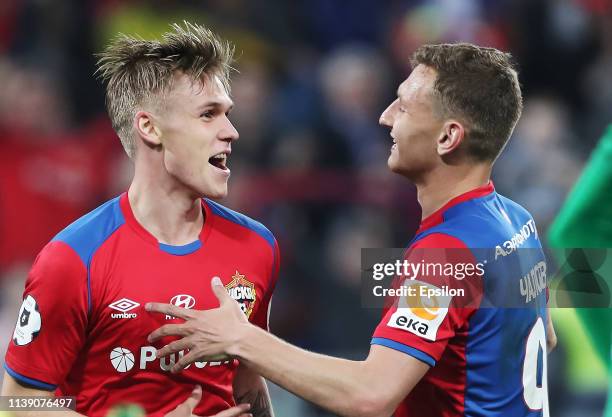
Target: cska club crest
[243, 291]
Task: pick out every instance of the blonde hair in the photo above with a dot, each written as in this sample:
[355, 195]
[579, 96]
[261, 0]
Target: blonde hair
[139, 72]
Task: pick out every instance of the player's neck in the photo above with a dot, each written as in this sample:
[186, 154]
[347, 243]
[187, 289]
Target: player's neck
[443, 185]
[172, 215]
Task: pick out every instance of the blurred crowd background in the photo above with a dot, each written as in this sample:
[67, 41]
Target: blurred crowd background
[314, 76]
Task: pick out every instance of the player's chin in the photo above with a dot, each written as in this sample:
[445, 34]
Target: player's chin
[214, 183]
[393, 164]
[216, 190]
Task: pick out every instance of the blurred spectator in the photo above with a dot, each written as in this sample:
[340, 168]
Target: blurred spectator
[540, 165]
[50, 173]
[354, 80]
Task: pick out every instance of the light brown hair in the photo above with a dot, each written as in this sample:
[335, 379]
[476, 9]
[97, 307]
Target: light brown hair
[139, 72]
[478, 86]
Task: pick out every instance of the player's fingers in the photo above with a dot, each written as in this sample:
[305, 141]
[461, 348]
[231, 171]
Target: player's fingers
[187, 359]
[185, 408]
[170, 348]
[194, 356]
[169, 309]
[194, 398]
[237, 411]
[220, 291]
[168, 330]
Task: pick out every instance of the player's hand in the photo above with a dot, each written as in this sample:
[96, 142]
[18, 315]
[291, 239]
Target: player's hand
[208, 334]
[186, 409]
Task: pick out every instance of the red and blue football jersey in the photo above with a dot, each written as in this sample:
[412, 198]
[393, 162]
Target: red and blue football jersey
[487, 346]
[82, 328]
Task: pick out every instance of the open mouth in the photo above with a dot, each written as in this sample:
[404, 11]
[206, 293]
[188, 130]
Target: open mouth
[219, 160]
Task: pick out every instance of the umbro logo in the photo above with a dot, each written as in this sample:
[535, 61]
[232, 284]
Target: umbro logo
[124, 305]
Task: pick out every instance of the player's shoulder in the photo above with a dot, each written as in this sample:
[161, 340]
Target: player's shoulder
[482, 222]
[90, 231]
[241, 220]
[514, 209]
[439, 239]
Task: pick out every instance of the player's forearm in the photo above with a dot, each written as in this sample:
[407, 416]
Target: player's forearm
[339, 385]
[250, 388]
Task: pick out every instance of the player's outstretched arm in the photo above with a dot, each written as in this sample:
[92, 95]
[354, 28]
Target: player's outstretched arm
[370, 388]
[10, 387]
[251, 388]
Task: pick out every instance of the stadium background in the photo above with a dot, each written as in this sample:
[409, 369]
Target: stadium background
[311, 161]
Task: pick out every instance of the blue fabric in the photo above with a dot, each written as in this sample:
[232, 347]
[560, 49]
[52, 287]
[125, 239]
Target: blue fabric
[89, 232]
[29, 381]
[242, 220]
[181, 250]
[500, 234]
[392, 344]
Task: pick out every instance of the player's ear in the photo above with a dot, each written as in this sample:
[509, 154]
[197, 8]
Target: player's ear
[451, 136]
[148, 131]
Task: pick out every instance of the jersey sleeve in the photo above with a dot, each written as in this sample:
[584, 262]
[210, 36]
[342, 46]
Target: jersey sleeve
[262, 314]
[439, 296]
[51, 325]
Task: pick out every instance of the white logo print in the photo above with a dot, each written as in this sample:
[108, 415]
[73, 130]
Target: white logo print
[183, 301]
[124, 305]
[143, 358]
[28, 323]
[122, 359]
[420, 314]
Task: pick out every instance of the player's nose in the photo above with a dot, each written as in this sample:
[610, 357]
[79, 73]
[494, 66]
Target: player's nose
[228, 132]
[386, 118]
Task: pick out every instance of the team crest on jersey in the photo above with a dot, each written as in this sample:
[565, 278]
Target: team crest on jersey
[243, 291]
[419, 313]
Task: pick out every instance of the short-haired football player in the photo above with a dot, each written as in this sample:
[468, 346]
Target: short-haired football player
[82, 329]
[438, 355]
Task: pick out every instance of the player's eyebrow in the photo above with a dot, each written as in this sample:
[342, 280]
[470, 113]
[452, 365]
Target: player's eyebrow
[228, 105]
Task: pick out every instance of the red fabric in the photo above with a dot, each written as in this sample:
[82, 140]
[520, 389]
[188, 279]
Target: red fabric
[73, 348]
[446, 381]
[58, 283]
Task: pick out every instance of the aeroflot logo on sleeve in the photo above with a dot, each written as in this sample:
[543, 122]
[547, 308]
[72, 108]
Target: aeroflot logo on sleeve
[124, 305]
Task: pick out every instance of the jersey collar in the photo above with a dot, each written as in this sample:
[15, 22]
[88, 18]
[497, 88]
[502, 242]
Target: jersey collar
[131, 220]
[437, 216]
